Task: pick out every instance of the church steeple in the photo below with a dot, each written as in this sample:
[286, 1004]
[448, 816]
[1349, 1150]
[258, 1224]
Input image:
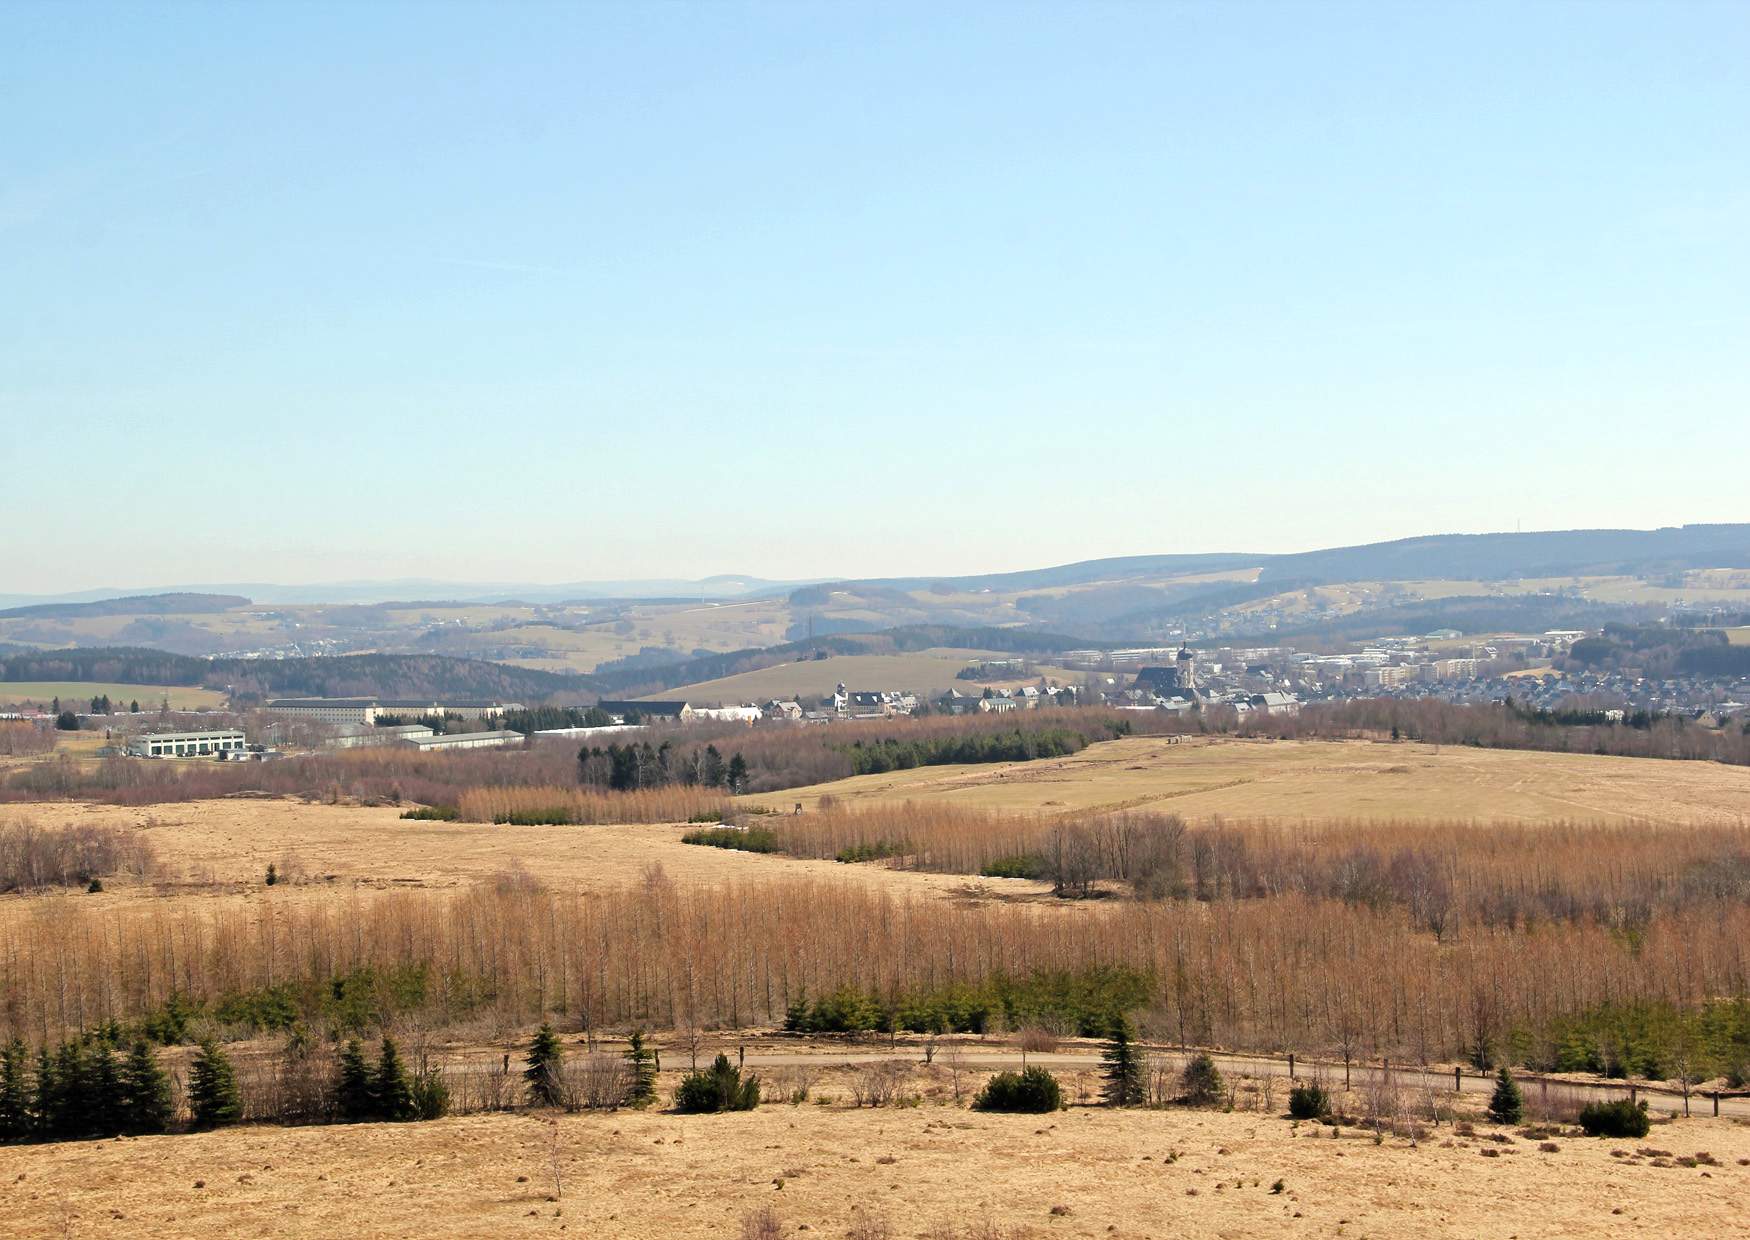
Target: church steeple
[1187, 665]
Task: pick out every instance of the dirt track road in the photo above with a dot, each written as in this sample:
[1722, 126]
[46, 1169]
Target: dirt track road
[1660, 1099]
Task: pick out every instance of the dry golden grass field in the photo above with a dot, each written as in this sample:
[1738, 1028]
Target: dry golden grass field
[924, 1172]
[221, 849]
[935, 1171]
[1320, 780]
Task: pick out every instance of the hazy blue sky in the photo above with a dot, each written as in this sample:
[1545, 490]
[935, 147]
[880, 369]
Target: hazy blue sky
[506, 291]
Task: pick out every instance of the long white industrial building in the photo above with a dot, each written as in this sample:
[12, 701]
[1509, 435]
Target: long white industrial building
[186, 744]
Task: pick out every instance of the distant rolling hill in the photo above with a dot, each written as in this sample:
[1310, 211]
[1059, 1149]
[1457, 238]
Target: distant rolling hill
[363, 675]
[1468, 556]
[706, 629]
[175, 604]
[1544, 554]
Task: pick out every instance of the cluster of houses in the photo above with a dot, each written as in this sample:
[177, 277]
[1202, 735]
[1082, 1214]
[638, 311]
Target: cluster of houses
[844, 703]
[1710, 700]
[1441, 665]
[1177, 686]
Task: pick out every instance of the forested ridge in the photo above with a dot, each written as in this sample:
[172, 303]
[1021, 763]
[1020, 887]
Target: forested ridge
[358, 675]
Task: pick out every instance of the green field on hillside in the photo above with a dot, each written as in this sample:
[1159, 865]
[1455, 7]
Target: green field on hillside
[77, 694]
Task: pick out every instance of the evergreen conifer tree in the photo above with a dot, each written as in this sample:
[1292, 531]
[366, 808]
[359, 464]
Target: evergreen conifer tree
[542, 1070]
[643, 1062]
[69, 1101]
[431, 1097]
[1120, 1067]
[1506, 1106]
[212, 1089]
[353, 1099]
[43, 1104]
[391, 1090]
[15, 1099]
[145, 1093]
[737, 773]
[107, 1098]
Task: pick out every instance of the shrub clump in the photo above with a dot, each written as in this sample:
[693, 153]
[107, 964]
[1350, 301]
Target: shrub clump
[880, 850]
[1032, 1091]
[432, 813]
[719, 1088]
[1615, 1119]
[1201, 1083]
[753, 839]
[1026, 865]
[1309, 1101]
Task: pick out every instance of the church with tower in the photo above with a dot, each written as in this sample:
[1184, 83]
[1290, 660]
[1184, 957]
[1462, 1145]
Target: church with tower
[1176, 680]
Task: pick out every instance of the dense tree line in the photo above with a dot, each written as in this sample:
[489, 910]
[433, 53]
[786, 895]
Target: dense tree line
[1659, 651]
[1491, 726]
[1281, 972]
[83, 1088]
[123, 664]
[1087, 1001]
[1017, 744]
[363, 675]
[387, 675]
[541, 718]
[640, 765]
[1448, 877]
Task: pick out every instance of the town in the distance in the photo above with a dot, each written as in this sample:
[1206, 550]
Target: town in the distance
[1611, 628]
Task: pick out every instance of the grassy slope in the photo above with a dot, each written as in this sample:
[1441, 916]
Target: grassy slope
[1320, 780]
[77, 695]
[1083, 1172]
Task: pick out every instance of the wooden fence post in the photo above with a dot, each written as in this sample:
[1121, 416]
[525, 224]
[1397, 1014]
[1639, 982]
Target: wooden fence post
[1716, 1104]
[1291, 1076]
[1458, 1079]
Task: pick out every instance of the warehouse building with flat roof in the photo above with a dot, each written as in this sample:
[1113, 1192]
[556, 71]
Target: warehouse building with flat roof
[366, 709]
[464, 740]
[186, 744]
